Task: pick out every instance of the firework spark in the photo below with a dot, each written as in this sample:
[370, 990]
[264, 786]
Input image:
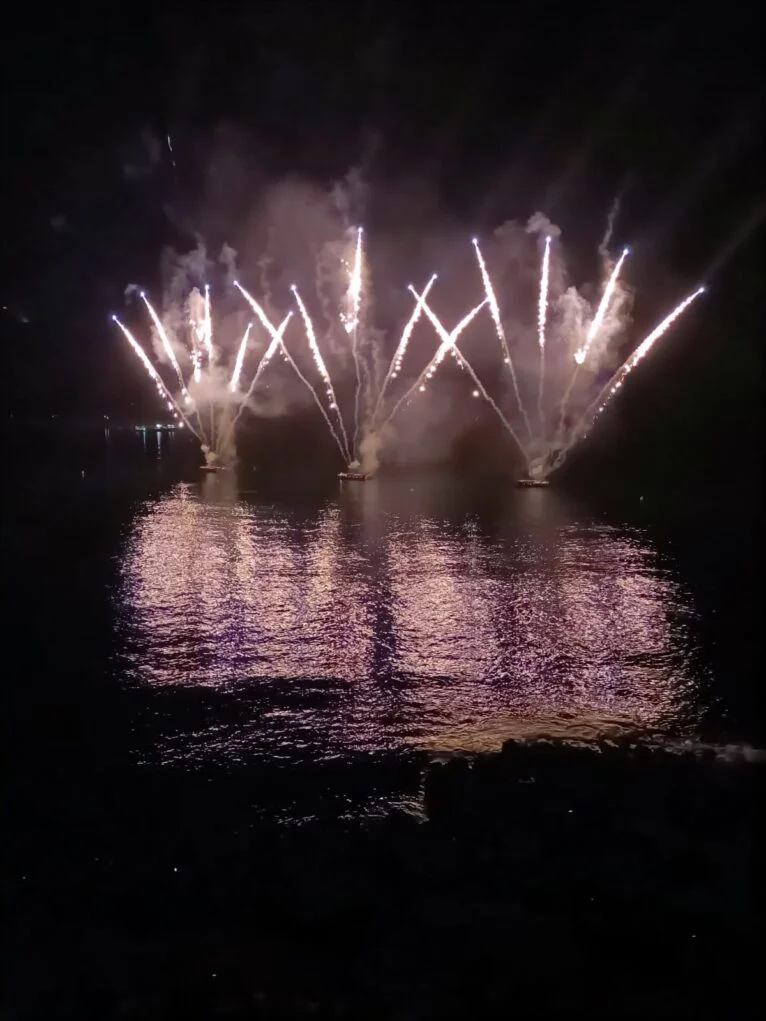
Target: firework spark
[582, 353]
[168, 348]
[240, 360]
[574, 326]
[615, 384]
[447, 344]
[208, 327]
[401, 348]
[495, 312]
[447, 340]
[162, 390]
[642, 350]
[350, 320]
[350, 317]
[320, 364]
[542, 310]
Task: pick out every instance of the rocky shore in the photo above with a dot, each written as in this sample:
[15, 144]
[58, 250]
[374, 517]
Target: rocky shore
[614, 880]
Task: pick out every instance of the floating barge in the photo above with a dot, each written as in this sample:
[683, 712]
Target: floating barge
[532, 483]
[212, 468]
[353, 476]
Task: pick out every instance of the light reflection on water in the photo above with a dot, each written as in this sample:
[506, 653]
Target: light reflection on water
[382, 619]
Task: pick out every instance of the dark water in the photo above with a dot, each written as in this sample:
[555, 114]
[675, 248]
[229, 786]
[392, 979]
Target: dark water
[170, 619]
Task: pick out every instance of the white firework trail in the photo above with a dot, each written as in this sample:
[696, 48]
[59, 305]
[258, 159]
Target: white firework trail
[462, 360]
[208, 326]
[343, 451]
[240, 360]
[350, 320]
[614, 385]
[582, 352]
[642, 350]
[275, 342]
[162, 390]
[401, 348]
[168, 347]
[447, 344]
[542, 310]
[495, 312]
[311, 337]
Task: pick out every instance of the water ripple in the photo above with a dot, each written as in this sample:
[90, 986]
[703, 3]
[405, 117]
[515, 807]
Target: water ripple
[378, 621]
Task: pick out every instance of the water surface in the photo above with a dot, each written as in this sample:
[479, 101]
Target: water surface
[385, 616]
[218, 620]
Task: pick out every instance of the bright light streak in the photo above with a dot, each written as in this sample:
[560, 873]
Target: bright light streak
[167, 347]
[542, 312]
[208, 331]
[401, 347]
[350, 319]
[162, 390]
[595, 326]
[240, 360]
[542, 307]
[449, 343]
[319, 360]
[615, 383]
[495, 313]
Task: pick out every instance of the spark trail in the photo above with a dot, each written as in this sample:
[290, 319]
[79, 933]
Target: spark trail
[351, 324]
[240, 360]
[276, 340]
[401, 348]
[595, 326]
[154, 375]
[311, 337]
[581, 354]
[343, 452]
[208, 327]
[446, 345]
[495, 312]
[462, 360]
[615, 383]
[542, 310]
[168, 348]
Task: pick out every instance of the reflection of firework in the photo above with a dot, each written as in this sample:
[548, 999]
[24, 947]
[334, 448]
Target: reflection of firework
[569, 376]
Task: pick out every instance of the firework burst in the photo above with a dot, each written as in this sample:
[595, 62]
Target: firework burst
[572, 341]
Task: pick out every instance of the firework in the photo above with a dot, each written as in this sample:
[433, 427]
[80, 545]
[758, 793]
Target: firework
[320, 364]
[642, 350]
[240, 360]
[615, 384]
[495, 312]
[567, 328]
[448, 341]
[542, 310]
[401, 348]
[351, 323]
[162, 390]
[582, 353]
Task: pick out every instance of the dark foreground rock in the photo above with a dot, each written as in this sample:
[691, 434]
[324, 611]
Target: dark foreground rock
[610, 882]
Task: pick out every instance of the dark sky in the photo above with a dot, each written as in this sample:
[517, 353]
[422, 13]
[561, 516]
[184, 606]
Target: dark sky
[498, 109]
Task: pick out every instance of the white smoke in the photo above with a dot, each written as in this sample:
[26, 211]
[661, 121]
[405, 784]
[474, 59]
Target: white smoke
[298, 233]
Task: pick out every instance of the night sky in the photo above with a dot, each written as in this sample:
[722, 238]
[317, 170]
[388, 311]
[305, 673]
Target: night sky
[486, 115]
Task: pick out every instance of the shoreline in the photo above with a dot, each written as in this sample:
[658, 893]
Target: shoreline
[543, 874]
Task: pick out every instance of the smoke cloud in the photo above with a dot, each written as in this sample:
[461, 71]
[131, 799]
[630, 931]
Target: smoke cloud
[295, 232]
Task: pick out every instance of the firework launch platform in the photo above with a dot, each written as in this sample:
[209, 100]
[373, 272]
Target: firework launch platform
[532, 483]
[212, 468]
[353, 476]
